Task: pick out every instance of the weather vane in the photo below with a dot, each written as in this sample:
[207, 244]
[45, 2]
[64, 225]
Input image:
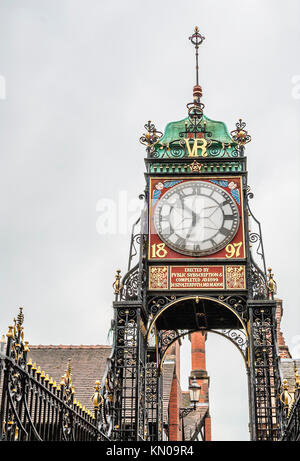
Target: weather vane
[196, 40]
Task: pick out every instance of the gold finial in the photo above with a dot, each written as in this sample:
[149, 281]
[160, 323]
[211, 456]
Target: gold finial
[26, 347]
[29, 363]
[43, 374]
[50, 382]
[151, 137]
[97, 397]
[285, 396]
[271, 284]
[34, 366]
[10, 334]
[117, 285]
[240, 135]
[47, 378]
[54, 384]
[38, 371]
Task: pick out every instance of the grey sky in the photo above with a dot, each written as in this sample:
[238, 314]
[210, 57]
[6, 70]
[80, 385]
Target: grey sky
[82, 78]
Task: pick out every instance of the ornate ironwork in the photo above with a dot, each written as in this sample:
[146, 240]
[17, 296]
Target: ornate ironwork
[238, 337]
[130, 285]
[264, 378]
[291, 410]
[156, 303]
[33, 406]
[151, 137]
[127, 375]
[177, 148]
[152, 387]
[257, 282]
[240, 136]
[238, 303]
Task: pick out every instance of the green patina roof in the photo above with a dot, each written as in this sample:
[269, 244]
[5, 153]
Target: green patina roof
[218, 129]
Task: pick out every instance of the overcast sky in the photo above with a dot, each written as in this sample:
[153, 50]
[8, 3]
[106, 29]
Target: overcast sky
[78, 80]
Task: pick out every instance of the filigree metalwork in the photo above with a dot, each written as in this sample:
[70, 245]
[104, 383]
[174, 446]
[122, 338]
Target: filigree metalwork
[177, 148]
[238, 337]
[151, 137]
[240, 135]
[32, 406]
[265, 378]
[238, 303]
[257, 282]
[156, 303]
[168, 337]
[291, 409]
[130, 285]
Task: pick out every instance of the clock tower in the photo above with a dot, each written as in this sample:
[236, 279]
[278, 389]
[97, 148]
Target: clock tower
[196, 264]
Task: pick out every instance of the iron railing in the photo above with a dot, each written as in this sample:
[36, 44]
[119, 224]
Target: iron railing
[33, 407]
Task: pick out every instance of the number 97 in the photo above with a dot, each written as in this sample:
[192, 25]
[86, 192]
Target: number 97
[233, 250]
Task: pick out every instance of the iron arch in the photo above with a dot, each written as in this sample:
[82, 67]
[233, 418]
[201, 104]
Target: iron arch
[196, 299]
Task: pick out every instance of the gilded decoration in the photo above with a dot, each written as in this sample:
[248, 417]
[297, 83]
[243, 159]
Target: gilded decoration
[158, 277]
[235, 277]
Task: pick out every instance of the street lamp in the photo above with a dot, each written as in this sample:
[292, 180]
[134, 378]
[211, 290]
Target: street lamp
[194, 390]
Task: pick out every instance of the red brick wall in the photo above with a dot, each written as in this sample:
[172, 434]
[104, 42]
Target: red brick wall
[175, 400]
[282, 347]
[198, 351]
[207, 429]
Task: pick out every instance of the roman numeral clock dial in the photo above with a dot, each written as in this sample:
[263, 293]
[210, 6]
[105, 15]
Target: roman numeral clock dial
[196, 218]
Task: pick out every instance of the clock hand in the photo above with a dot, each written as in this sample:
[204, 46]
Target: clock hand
[193, 224]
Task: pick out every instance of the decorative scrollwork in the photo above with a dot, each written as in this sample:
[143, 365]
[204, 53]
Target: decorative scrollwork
[237, 302]
[32, 406]
[177, 149]
[130, 282]
[151, 137]
[238, 337]
[156, 303]
[257, 283]
[240, 135]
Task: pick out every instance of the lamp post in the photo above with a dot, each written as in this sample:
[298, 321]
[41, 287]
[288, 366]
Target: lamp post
[194, 390]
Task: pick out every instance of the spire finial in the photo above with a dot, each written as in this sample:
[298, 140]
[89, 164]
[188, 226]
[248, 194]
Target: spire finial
[196, 40]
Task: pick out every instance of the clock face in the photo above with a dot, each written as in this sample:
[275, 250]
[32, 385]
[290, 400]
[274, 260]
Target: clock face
[196, 218]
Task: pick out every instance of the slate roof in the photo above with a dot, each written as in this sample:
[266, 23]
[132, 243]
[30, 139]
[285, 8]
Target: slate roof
[88, 364]
[288, 371]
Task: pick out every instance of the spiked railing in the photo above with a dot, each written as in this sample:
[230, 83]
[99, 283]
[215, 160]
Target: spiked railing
[33, 406]
[290, 400]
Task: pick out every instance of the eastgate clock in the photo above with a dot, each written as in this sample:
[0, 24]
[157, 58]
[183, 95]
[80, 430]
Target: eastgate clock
[196, 218]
